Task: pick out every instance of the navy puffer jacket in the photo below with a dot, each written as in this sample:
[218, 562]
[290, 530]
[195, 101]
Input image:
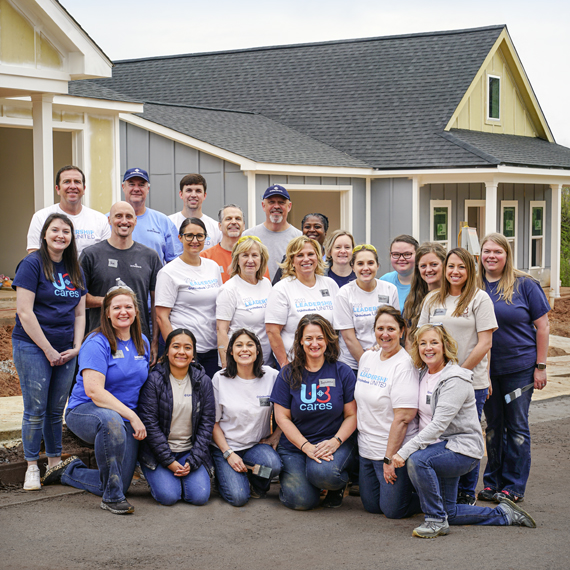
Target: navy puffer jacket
[155, 411]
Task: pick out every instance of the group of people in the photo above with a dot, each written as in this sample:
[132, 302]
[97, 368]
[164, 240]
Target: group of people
[212, 353]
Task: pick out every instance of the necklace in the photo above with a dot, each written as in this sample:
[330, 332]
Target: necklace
[125, 343]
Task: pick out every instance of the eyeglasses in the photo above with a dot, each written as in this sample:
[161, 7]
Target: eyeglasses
[198, 237]
[395, 256]
[366, 246]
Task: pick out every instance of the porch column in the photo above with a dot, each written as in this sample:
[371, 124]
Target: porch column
[555, 227]
[416, 208]
[251, 199]
[490, 208]
[43, 150]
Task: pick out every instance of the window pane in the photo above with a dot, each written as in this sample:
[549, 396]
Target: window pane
[536, 253]
[509, 222]
[440, 224]
[537, 214]
[494, 97]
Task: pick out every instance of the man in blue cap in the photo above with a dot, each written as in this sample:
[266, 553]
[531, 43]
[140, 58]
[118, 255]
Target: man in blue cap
[276, 232]
[153, 228]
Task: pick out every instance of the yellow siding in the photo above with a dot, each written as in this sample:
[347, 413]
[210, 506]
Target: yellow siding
[17, 42]
[101, 145]
[18, 112]
[46, 54]
[72, 117]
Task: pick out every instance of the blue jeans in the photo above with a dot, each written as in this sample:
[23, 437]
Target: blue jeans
[435, 473]
[468, 482]
[303, 478]
[115, 451]
[209, 360]
[234, 486]
[168, 489]
[508, 434]
[44, 389]
[395, 501]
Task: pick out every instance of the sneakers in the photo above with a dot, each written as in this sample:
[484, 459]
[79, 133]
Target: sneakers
[464, 498]
[431, 529]
[256, 493]
[120, 508]
[53, 474]
[517, 515]
[333, 500]
[487, 494]
[32, 479]
[504, 494]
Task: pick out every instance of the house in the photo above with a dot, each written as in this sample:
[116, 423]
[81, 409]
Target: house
[401, 134]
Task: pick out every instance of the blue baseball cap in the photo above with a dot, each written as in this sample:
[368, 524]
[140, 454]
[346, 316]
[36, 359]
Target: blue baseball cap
[276, 190]
[136, 172]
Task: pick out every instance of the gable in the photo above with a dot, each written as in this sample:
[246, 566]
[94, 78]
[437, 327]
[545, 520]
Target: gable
[519, 111]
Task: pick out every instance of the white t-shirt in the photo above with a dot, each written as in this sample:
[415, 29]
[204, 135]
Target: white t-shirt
[90, 227]
[244, 304]
[290, 300]
[191, 293]
[214, 233]
[243, 408]
[427, 385]
[180, 436]
[355, 309]
[479, 316]
[382, 386]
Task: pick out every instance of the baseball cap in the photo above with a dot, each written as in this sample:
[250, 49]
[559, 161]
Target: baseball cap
[276, 190]
[132, 172]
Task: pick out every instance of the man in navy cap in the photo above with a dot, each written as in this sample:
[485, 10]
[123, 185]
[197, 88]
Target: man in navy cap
[276, 232]
[153, 228]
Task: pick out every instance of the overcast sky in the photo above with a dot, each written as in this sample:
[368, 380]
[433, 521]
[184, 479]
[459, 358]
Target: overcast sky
[127, 29]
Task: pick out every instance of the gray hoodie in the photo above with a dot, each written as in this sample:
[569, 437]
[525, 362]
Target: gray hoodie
[454, 416]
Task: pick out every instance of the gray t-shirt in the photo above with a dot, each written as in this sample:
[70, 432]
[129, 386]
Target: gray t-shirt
[137, 267]
[276, 243]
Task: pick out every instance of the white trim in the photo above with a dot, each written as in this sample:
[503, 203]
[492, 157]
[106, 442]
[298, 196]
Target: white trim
[368, 212]
[320, 187]
[555, 227]
[491, 206]
[477, 204]
[536, 204]
[416, 208]
[87, 104]
[515, 238]
[117, 174]
[42, 150]
[493, 120]
[251, 199]
[441, 204]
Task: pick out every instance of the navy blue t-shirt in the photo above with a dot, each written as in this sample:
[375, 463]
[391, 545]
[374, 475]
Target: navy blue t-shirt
[54, 304]
[341, 281]
[514, 342]
[317, 408]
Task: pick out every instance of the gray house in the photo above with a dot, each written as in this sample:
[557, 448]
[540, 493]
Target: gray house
[402, 134]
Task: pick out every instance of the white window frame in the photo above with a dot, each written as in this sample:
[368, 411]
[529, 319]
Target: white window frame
[441, 204]
[537, 204]
[490, 119]
[514, 240]
[477, 204]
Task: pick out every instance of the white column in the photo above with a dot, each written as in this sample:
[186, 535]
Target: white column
[416, 208]
[555, 227]
[43, 150]
[368, 209]
[490, 207]
[251, 199]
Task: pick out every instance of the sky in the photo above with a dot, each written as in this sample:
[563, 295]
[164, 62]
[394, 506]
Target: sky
[126, 29]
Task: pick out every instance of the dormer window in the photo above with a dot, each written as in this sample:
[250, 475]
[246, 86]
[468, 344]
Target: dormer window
[494, 98]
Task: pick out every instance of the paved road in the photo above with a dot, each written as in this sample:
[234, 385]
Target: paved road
[70, 531]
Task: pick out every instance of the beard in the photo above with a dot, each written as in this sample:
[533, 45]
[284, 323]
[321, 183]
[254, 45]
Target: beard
[276, 218]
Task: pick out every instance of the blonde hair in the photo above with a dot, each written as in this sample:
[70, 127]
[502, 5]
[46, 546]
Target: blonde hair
[293, 248]
[449, 345]
[243, 246]
[330, 242]
[508, 280]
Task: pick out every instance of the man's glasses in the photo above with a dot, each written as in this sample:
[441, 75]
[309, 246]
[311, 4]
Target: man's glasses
[198, 237]
[395, 256]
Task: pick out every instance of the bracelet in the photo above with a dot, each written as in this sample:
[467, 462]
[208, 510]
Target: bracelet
[338, 439]
[221, 347]
[304, 445]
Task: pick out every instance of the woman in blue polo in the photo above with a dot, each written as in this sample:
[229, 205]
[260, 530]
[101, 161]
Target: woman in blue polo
[314, 405]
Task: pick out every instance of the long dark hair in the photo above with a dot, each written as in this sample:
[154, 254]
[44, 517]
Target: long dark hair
[69, 258]
[231, 365]
[164, 358]
[293, 374]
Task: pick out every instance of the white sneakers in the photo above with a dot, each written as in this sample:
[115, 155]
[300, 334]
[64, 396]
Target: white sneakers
[32, 479]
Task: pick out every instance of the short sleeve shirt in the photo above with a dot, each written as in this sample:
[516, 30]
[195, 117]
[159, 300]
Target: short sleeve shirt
[155, 230]
[212, 228]
[403, 290]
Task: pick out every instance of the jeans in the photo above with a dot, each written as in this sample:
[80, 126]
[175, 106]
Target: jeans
[303, 478]
[234, 486]
[395, 501]
[168, 489]
[468, 482]
[508, 434]
[115, 451]
[44, 389]
[209, 360]
[435, 473]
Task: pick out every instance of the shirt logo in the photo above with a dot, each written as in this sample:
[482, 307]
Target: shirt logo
[64, 287]
[318, 398]
[136, 266]
[113, 263]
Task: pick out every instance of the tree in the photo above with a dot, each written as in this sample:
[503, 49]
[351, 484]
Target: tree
[565, 238]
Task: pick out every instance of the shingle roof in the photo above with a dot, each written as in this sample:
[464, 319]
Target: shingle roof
[94, 90]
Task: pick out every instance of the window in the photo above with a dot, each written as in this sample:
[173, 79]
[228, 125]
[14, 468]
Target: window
[475, 215]
[537, 235]
[494, 98]
[440, 222]
[509, 224]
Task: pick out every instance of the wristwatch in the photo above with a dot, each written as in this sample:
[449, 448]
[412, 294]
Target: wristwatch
[227, 453]
[540, 365]
[387, 461]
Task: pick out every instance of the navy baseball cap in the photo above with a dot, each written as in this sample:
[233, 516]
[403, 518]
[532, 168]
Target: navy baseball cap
[276, 190]
[132, 172]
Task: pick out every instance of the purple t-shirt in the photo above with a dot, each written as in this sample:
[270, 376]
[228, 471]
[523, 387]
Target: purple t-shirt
[317, 408]
[54, 303]
[514, 342]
